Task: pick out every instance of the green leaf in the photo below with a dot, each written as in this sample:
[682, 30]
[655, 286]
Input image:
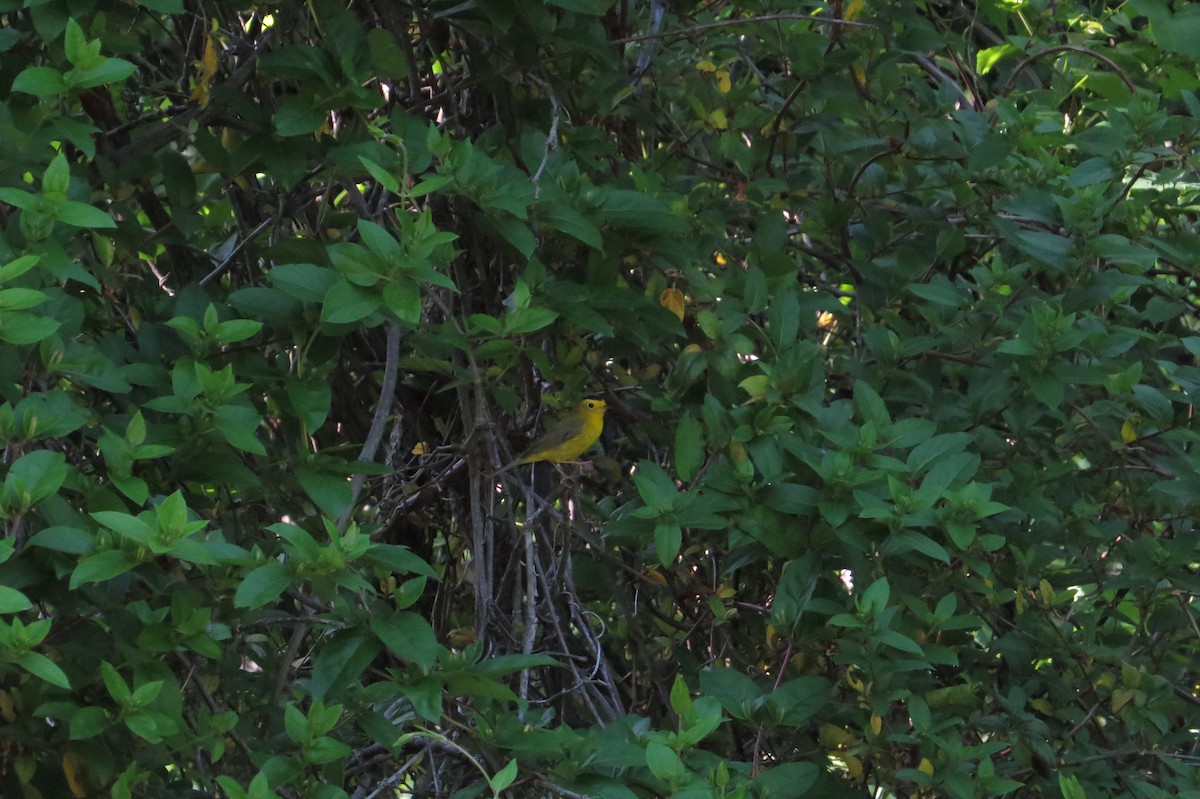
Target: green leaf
[331, 492]
[403, 298]
[57, 178]
[16, 268]
[131, 527]
[1050, 248]
[902, 642]
[923, 544]
[689, 447]
[346, 303]
[13, 601]
[787, 780]
[736, 692]
[504, 777]
[110, 70]
[384, 177]
[298, 116]
[939, 290]
[239, 424]
[380, 242]
[408, 637]
[34, 478]
[1181, 34]
[797, 700]
[988, 57]
[295, 723]
[100, 567]
[340, 663]
[118, 689]
[89, 722]
[400, 560]
[1070, 786]
[23, 328]
[44, 669]
[789, 498]
[64, 539]
[655, 486]
[163, 6]
[305, 282]
[568, 220]
[595, 8]
[664, 763]
[39, 81]
[668, 539]
[876, 597]
[935, 448]
[426, 697]
[632, 210]
[527, 320]
[262, 585]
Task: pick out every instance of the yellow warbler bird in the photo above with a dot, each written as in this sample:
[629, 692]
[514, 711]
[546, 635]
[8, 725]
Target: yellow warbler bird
[568, 439]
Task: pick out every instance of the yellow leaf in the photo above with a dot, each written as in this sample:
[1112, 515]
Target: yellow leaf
[73, 770]
[926, 766]
[833, 737]
[756, 386]
[461, 637]
[724, 84]
[420, 449]
[876, 724]
[7, 711]
[706, 67]
[1129, 433]
[737, 452]
[208, 69]
[853, 9]
[208, 64]
[199, 95]
[854, 768]
[672, 300]
[1121, 697]
[718, 119]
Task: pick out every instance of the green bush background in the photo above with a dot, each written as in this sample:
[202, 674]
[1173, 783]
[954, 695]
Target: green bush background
[892, 304]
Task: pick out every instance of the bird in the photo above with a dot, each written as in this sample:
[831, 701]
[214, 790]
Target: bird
[568, 439]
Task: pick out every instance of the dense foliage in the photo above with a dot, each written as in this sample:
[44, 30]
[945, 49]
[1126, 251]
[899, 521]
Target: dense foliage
[892, 304]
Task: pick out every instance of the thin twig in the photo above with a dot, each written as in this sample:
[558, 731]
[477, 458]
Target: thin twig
[658, 11]
[395, 776]
[241, 245]
[551, 141]
[1065, 48]
[383, 410]
[934, 70]
[728, 23]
